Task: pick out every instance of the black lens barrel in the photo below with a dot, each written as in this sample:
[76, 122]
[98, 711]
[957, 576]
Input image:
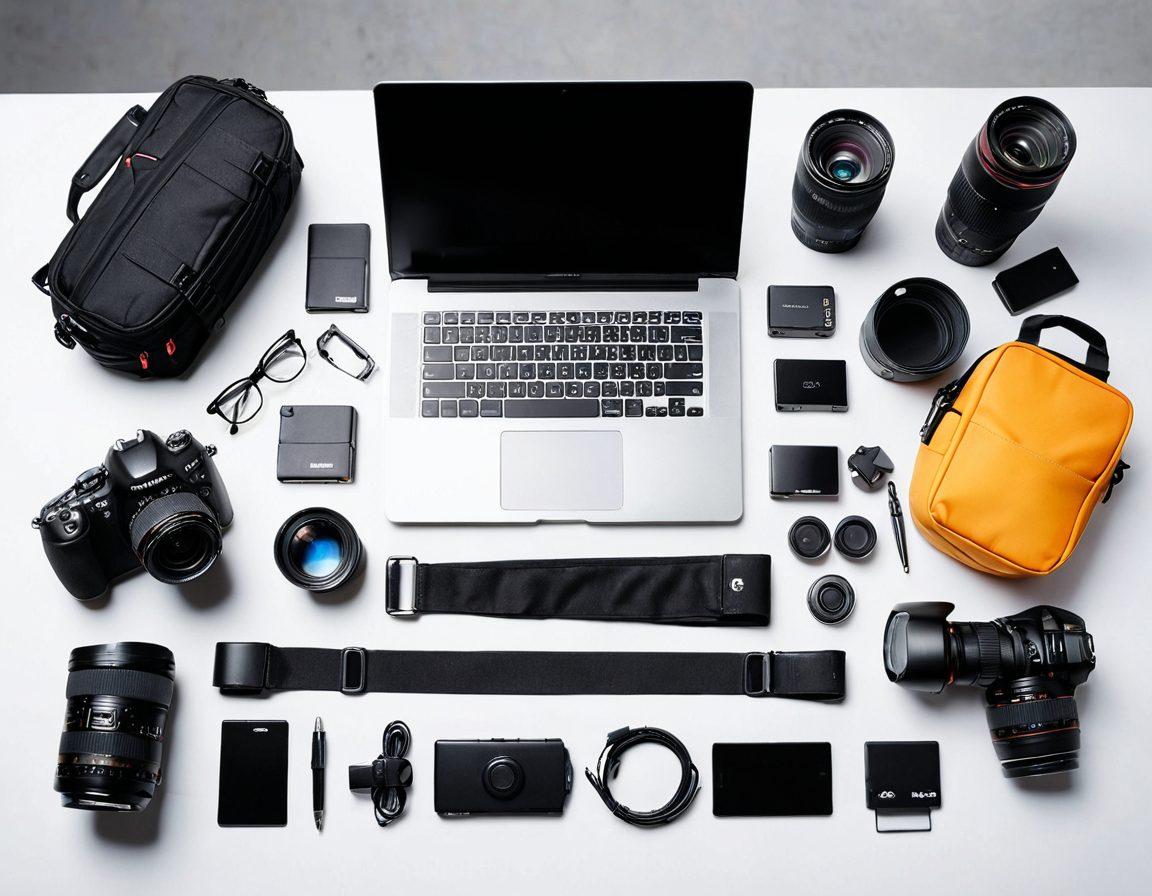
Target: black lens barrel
[1035, 729]
[994, 196]
[176, 537]
[830, 214]
[916, 330]
[111, 748]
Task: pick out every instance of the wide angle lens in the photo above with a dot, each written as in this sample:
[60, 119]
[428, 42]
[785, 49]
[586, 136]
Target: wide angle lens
[841, 175]
[1007, 174]
[112, 745]
[176, 537]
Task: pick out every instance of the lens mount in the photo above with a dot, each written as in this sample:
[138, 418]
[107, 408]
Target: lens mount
[176, 537]
[318, 549]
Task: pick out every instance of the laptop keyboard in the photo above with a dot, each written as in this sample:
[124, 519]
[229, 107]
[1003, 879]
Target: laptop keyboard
[524, 364]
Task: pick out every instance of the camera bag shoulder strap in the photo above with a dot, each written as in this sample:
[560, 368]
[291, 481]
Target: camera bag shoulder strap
[733, 589]
[251, 668]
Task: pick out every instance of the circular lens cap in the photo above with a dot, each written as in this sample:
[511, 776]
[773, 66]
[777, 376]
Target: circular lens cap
[831, 599]
[855, 537]
[809, 538]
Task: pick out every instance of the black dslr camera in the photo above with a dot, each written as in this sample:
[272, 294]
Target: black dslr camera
[1030, 664]
[153, 503]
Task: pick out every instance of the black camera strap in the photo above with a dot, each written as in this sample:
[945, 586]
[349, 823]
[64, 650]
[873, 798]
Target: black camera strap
[250, 668]
[733, 589]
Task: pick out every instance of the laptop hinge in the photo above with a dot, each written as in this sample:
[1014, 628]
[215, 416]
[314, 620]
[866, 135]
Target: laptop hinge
[563, 284]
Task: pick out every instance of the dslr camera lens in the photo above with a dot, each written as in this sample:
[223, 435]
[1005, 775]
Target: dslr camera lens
[115, 724]
[1029, 664]
[1007, 174]
[318, 549]
[841, 174]
[176, 537]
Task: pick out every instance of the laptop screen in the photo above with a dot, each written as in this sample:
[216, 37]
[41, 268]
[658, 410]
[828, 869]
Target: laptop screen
[563, 183]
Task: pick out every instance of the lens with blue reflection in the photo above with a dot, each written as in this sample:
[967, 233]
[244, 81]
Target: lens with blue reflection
[318, 549]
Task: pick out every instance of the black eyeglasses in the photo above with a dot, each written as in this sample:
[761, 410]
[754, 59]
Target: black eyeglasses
[242, 400]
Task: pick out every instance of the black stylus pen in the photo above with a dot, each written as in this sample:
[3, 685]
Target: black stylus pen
[898, 524]
[319, 756]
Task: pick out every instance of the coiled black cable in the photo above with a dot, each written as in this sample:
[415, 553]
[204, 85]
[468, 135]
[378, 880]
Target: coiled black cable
[608, 766]
[389, 799]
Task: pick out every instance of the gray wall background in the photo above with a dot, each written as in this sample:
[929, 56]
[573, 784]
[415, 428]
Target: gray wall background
[122, 45]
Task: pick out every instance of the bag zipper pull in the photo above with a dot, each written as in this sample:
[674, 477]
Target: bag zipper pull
[1117, 478]
[941, 403]
[143, 358]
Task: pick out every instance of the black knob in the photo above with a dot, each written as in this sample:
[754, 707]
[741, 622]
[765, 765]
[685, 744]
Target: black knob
[179, 440]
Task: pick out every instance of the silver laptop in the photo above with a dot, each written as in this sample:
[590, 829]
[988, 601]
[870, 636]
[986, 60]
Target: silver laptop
[564, 316]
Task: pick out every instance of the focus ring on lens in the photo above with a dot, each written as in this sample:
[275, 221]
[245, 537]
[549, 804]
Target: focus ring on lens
[128, 683]
[988, 644]
[162, 508]
[988, 218]
[112, 743]
[1033, 712]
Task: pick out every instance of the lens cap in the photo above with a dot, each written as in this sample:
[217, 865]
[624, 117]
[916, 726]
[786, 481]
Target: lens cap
[855, 537]
[318, 549]
[831, 599]
[809, 538]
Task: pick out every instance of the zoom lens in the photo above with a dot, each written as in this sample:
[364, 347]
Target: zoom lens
[114, 727]
[841, 174]
[318, 549]
[1035, 728]
[177, 537]
[1007, 174]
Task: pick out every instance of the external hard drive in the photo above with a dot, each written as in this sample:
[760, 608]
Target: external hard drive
[811, 385]
[317, 443]
[804, 471]
[338, 267]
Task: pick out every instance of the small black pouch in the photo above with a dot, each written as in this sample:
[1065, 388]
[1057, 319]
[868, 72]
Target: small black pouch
[317, 443]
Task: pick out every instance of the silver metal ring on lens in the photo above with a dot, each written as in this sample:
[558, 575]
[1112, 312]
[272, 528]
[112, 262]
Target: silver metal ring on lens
[916, 330]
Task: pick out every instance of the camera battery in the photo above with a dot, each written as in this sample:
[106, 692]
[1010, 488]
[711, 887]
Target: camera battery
[801, 311]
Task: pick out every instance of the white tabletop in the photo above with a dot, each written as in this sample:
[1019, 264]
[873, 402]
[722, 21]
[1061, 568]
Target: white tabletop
[61, 412]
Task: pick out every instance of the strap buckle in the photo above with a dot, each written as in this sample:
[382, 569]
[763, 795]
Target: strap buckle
[353, 670]
[241, 667]
[400, 593]
[263, 169]
[758, 674]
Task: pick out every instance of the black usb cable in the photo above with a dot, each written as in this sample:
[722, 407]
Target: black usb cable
[388, 777]
[608, 766]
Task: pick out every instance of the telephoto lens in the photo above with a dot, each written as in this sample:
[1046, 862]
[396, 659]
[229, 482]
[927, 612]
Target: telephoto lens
[1029, 664]
[318, 549]
[115, 725]
[841, 174]
[1009, 171]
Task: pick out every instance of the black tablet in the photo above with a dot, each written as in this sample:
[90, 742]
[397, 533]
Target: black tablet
[771, 779]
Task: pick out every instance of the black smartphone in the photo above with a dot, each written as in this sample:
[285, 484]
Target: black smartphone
[1034, 281]
[253, 774]
[771, 779]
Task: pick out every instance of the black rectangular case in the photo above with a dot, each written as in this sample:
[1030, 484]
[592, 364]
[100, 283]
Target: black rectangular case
[478, 777]
[810, 385]
[317, 443]
[338, 267]
[253, 774]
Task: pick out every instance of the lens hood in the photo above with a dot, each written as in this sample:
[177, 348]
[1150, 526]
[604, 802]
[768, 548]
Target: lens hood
[916, 330]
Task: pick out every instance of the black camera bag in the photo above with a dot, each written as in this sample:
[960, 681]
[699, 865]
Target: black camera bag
[202, 182]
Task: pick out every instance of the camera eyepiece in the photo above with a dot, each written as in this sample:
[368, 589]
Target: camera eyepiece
[1007, 174]
[841, 175]
[1030, 665]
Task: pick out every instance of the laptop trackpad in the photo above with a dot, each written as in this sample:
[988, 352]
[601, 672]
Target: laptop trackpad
[560, 471]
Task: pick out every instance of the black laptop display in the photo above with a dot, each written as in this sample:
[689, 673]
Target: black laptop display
[563, 184]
